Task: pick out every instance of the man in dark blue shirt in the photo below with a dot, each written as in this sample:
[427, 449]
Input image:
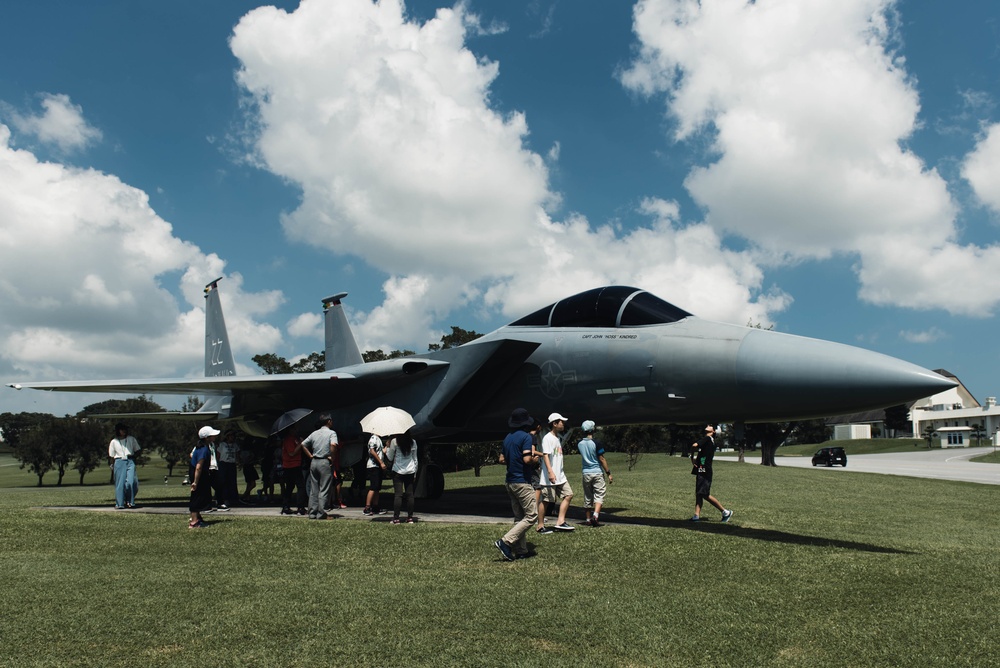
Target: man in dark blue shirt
[201, 489]
[517, 453]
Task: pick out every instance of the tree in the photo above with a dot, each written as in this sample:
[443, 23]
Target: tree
[896, 420]
[477, 455]
[271, 363]
[33, 449]
[457, 337]
[811, 431]
[22, 432]
[178, 438]
[311, 363]
[978, 432]
[770, 435]
[381, 355]
[633, 440]
[928, 435]
[90, 448]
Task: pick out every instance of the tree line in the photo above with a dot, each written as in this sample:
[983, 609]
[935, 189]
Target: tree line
[44, 443]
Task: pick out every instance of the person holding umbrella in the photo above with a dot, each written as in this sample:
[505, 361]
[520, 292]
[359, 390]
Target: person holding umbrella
[383, 421]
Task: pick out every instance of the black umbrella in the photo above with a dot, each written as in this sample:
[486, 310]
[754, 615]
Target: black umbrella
[288, 419]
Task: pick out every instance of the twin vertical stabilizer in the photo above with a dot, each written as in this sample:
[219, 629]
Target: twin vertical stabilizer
[218, 353]
[341, 348]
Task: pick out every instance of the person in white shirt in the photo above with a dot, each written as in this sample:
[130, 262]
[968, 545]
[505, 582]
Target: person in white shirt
[555, 485]
[375, 469]
[122, 450]
[403, 455]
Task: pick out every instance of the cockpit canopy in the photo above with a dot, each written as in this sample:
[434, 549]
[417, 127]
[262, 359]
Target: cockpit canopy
[612, 306]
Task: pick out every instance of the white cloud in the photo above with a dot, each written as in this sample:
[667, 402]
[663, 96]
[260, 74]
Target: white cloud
[981, 168]
[61, 124]
[306, 325]
[928, 336]
[387, 127]
[808, 110]
[88, 273]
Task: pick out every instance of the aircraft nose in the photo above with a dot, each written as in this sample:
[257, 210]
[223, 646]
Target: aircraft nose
[790, 373]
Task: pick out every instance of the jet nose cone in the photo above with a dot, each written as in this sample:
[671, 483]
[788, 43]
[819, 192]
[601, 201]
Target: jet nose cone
[793, 375]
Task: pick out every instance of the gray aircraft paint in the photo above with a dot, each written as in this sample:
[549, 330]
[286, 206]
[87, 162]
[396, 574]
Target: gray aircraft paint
[687, 370]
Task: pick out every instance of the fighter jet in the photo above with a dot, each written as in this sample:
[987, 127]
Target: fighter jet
[616, 355]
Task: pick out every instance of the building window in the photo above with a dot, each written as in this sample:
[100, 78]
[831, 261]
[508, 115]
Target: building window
[955, 439]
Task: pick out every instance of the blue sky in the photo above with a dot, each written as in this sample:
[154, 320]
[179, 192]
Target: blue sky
[828, 167]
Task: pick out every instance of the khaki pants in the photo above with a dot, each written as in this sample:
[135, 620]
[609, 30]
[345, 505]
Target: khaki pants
[522, 502]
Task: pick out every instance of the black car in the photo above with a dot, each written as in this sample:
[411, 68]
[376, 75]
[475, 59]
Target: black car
[830, 457]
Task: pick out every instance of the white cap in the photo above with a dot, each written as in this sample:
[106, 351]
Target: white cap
[554, 417]
[207, 431]
[588, 426]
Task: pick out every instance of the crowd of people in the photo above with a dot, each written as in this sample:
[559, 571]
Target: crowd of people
[536, 477]
[310, 475]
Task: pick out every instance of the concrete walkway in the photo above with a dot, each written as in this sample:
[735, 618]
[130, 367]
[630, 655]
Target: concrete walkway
[949, 464]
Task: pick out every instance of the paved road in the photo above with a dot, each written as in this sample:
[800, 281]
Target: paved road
[950, 464]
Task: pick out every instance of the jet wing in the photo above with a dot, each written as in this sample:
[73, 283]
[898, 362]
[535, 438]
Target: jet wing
[345, 383]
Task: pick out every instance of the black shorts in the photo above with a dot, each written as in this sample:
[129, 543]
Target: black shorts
[702, 485]
[375, 478]
[201, 497]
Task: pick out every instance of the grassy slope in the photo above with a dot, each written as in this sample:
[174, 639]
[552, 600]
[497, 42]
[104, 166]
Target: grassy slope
[814, 570]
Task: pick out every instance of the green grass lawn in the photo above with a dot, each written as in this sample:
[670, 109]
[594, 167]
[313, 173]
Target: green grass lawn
[814, 570]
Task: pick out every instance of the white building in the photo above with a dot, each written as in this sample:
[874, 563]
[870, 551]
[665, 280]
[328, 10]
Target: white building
[952, 414]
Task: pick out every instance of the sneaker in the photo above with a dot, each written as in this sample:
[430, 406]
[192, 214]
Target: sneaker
[544, 531]
[396, 520]
[411, 520]
[197, 525]
[301, 511]
[210, 509]
[287, 511]
[726, 515]
[368, 510]
[380, 511]
[695, 518]
[504, 550]
[223, 508]
[343, 505]
[119, 507]
[564, 527]
[594, 522]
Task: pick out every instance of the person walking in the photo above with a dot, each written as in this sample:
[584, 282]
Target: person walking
[319, 446]
[122, 450]
[594, 468]
[555, 485]
[517, 449]
[403, 455]
[702, 454]
[201, 488]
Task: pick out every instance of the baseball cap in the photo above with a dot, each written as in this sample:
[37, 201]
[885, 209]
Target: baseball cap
[554, 417]
[588, 426]
[207, 431]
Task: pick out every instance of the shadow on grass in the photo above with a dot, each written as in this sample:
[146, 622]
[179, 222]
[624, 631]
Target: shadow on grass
[492, 500]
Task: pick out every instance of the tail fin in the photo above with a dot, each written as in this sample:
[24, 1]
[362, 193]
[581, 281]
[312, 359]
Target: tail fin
[341, 348]
[218, 354]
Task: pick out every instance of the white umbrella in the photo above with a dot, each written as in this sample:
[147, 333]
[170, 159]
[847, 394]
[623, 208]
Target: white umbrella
[387, 420]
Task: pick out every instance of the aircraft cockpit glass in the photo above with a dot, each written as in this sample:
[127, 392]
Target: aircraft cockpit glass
[614, 306]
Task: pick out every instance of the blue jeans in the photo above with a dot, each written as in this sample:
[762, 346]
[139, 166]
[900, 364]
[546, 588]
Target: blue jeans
[126, 485]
